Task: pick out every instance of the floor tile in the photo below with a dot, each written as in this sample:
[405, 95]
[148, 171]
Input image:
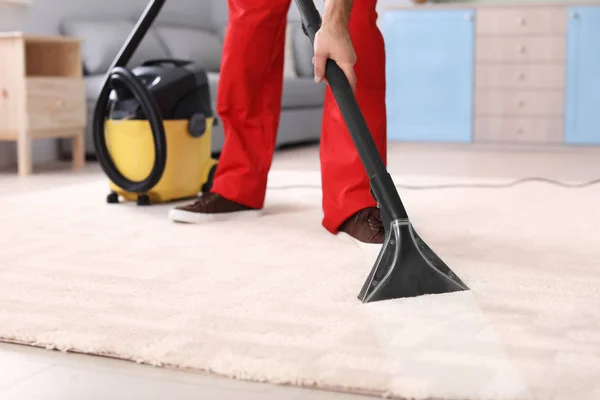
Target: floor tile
[16, 367]
[60, 376]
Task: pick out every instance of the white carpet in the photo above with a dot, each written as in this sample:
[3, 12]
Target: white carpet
[275, 301]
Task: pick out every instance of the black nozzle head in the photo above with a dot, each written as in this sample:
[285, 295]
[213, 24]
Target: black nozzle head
[407, 267]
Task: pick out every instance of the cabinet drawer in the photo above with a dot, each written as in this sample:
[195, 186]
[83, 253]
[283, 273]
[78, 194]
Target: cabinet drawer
[522, 21]
[536, 76]
[521, 49]
[518, 103]
[532, 130]
[54, 103]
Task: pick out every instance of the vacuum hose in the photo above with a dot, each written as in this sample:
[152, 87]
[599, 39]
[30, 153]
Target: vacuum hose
[129, 81]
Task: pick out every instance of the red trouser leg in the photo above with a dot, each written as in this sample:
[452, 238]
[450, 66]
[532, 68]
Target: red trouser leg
[346, 188]
[249, 97]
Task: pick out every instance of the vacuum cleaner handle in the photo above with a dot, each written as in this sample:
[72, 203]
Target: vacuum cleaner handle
[382, 186]
[406, 265]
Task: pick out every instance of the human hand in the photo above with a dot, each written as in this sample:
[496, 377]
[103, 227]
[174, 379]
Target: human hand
[332, 41]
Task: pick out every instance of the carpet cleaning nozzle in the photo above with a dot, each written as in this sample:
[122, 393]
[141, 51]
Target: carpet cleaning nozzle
[406, 266]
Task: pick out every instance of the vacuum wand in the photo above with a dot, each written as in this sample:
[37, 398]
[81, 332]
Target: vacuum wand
[139, 32]
[382, 185]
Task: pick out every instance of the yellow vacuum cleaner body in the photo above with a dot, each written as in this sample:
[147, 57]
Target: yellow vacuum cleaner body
[188, 167]
[155, 138]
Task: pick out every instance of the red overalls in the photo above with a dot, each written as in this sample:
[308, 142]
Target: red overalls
[249, 104]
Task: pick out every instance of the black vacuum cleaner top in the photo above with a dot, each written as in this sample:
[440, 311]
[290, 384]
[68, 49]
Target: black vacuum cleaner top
[180, 90]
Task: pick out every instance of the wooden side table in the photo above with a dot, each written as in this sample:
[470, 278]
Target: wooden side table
[42, 94]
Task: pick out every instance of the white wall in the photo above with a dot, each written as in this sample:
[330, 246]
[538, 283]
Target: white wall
[13, 18]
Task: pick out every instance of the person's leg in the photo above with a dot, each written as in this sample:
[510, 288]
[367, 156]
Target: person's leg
[249, 106]
[347, 201]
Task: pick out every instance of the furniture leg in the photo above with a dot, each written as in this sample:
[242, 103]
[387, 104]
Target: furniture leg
[24, 153]
[78, 150]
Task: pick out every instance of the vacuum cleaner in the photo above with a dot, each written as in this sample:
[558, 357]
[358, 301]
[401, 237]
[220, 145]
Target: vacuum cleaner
[152, 125]
[406, 265]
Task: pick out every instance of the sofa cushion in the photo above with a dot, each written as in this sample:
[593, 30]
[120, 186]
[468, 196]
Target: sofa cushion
[302, 92]
[186, 13]
[102, 40]
[213, 82]
[297, 92]
[289, 64]
[93, 84]
[202, 47]
[303, 52]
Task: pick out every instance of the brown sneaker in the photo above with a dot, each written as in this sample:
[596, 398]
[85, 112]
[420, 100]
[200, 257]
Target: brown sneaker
[365, 229]
[365, 226]
[211, 207]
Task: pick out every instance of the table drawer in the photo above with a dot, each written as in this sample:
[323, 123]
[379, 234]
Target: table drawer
[536, 76]
[54, 103]
[521, 49]
[525, 130]
[522, 21]
[518, 103]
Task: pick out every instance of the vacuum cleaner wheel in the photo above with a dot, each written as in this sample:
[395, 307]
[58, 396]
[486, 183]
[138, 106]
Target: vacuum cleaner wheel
[112, 198]
[143, 200]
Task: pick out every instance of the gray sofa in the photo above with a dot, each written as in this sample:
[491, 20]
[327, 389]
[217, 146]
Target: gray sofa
[185, 29]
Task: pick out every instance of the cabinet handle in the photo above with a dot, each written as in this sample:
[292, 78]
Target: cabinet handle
[574, 15]
[521, 48]
[4, 93]
[520, 103]
[519, 131]
[522, 21]
[521, 76]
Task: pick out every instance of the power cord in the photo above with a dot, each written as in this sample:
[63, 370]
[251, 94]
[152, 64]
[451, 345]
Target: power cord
[467, 185]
